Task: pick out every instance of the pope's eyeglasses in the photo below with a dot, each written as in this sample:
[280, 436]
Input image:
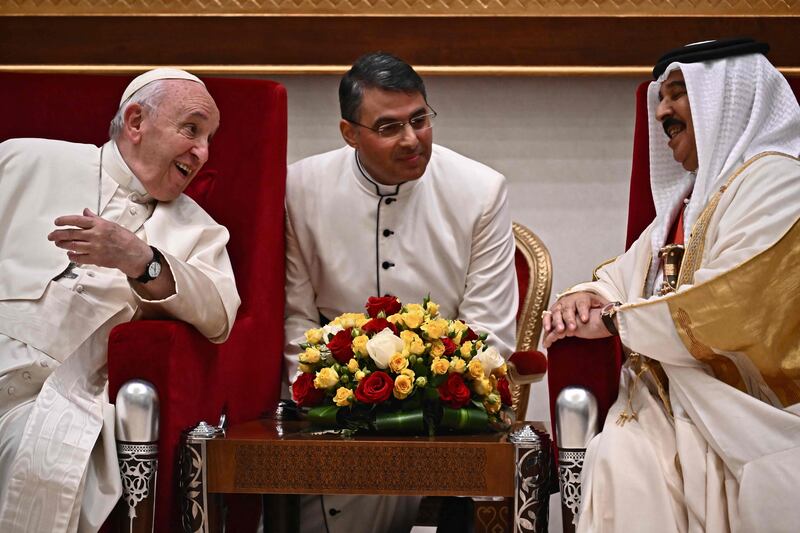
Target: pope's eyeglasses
[396, 129]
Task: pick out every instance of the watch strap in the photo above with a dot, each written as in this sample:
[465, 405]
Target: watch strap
[144, 278]
[607, 314]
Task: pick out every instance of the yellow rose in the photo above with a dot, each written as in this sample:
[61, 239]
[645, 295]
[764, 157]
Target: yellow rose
[326, 378]
[466, 349]
[314, 336]
[478, 345]
[307, 369]
[412, 344]
[403, 386]
[360, 375]
[440, 366]
[501, 370]
[413, 316]
[475, 369]
[482, 386]
[437, 348]
[344, 397]
[457, 365]
[395, 318]
[360, 345]
[348, 320]
[352, 366]
[398, 362]
[435, 329]
[458, 328]
[492, 404]
[432, 308]
[361, 321]
[408, 372]
[310, 356]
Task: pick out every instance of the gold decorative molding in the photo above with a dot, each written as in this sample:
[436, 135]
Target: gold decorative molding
[539, 8]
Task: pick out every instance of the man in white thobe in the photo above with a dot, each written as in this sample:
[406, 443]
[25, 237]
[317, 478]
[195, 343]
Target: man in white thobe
[391, 213]
[93, 237]
[705, 433]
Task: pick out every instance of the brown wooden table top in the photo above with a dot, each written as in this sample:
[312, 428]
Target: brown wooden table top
[265, 457]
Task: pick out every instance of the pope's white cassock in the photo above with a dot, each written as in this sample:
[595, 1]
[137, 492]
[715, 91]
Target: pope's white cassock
[715, 445]
[56, 425]
[348, 237]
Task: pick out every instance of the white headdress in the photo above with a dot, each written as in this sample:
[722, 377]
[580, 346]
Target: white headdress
[741, 106]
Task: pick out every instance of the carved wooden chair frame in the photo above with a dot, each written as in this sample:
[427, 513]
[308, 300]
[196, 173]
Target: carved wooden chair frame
[535, 300]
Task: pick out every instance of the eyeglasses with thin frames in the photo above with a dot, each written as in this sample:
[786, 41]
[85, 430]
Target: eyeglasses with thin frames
[396, 129]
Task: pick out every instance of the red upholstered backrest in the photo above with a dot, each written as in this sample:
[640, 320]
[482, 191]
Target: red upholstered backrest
[523, 278]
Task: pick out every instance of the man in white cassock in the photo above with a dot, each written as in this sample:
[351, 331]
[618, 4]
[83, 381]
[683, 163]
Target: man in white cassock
[89, 238]
[705, 433]
[392, 213]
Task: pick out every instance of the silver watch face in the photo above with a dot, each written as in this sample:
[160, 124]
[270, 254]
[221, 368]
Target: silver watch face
[154, 269]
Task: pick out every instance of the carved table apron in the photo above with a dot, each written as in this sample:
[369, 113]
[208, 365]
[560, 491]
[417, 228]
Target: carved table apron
[265, 457]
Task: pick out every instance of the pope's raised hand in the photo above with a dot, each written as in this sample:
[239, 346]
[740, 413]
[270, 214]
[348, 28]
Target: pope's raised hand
[92, 240]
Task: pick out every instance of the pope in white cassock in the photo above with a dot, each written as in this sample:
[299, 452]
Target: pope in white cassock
[392, 213]
[89, 238]
[705, 433]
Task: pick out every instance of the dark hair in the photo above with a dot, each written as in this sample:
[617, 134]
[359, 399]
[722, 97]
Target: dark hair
[376, 70]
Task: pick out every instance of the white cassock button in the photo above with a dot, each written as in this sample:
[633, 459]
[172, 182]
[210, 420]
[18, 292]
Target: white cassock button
[26, 376]
[132, 210]
[90, 274]
[12, 391]
[43, 363]
[79, 289]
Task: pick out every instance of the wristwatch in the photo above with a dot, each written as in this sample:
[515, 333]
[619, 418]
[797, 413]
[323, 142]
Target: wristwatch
[153, 268]
[607, 314]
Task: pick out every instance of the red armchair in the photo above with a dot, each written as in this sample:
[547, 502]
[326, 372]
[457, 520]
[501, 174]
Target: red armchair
[242, 187]
[595, 365]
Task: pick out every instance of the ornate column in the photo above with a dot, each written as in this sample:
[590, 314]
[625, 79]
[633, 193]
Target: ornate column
[533, 461]
[200, 512]
[137, 453]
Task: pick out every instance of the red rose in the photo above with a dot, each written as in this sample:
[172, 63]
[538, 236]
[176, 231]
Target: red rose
[376, 325]
[388, 304]
[375, 388]
[341, 346]
[449, 346]
[453, 392]
[505, 392]
[470, 335]
[304, 392]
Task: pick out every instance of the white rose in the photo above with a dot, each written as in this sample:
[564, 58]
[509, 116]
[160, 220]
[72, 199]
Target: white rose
[383, 346]
[490, 359]
[329, 331]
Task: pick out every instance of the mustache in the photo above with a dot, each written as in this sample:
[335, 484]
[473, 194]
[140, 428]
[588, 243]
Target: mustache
[669, 122]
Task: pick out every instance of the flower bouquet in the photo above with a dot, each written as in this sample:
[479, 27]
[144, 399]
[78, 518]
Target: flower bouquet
[401, 369]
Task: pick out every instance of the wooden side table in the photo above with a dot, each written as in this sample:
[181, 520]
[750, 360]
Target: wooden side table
[269, 457]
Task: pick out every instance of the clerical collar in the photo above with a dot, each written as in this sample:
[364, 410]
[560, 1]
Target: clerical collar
[373, 186]
[116, 167]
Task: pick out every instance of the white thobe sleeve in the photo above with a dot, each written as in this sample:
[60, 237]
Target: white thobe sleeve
[759, 211]
[490, 297]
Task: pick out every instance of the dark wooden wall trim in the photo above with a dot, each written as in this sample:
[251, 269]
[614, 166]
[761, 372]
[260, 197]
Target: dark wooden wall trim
[236, 42]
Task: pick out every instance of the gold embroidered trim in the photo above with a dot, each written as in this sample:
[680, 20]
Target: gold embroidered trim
[693, 257]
